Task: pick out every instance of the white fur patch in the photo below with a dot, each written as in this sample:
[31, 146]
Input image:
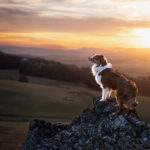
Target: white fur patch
[101, 68]
[95, 71]
[98, 80]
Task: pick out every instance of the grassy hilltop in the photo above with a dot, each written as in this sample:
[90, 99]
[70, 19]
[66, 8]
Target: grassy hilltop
[53, 101]
[24, 101]
[46, 98]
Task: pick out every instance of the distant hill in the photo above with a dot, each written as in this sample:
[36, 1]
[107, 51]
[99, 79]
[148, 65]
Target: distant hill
[134, 62]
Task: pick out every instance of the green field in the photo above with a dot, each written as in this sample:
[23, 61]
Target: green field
[42, 97]
[63, 101]
[26, 99]
[48, 99]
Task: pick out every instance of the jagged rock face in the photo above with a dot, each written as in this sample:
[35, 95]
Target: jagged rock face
[95, 129]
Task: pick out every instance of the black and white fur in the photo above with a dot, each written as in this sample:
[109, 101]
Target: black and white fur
[96, 70]
[112, 80]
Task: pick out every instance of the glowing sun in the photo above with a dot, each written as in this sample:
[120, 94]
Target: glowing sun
[144, 36]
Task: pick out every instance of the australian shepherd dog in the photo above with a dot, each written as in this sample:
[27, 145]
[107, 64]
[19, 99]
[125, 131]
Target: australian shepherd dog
[110, 81]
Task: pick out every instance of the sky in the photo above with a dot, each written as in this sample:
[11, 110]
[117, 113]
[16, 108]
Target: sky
[75, 23]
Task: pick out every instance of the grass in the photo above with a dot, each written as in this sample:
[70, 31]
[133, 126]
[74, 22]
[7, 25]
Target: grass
[63, 101]
[9, 74]
[143, 108]
[41, 98]
[26, 99]
[12, 135]
[13, 74]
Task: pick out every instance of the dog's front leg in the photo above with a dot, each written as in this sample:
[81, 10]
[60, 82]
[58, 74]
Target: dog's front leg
[104, 94]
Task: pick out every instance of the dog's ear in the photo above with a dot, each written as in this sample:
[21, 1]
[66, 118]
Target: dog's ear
[103, 60]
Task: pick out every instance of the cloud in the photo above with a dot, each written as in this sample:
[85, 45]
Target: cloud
[84, 8]
[14, 12]
[81, 16]
[129, 1]
[12, 20]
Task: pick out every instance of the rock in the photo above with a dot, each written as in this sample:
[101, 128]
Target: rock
[95, 129]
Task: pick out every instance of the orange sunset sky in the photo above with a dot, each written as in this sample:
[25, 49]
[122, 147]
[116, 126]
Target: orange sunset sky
[75, 23]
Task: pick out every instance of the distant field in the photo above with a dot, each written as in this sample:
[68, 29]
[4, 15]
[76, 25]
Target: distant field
[26, 99]
[43, 98]
[49, 98]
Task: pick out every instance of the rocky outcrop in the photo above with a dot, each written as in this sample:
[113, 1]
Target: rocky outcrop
[95, 129]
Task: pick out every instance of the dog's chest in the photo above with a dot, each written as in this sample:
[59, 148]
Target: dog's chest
[95, 72]
[98, 79]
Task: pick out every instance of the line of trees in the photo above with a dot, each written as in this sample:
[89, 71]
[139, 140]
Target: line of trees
[57, 71]
[8, 61]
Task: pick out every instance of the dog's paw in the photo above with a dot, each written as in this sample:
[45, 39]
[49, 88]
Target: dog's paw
[126, 115]
[117, 112]
[116, 105]
[114, 113]
[101, 100]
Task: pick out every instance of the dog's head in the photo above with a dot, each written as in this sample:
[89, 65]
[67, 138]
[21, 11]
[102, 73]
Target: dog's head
[98, 59]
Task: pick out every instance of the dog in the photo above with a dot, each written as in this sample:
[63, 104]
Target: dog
[111, 80]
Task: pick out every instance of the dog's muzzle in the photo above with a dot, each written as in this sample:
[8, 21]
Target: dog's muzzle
[89, 58]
